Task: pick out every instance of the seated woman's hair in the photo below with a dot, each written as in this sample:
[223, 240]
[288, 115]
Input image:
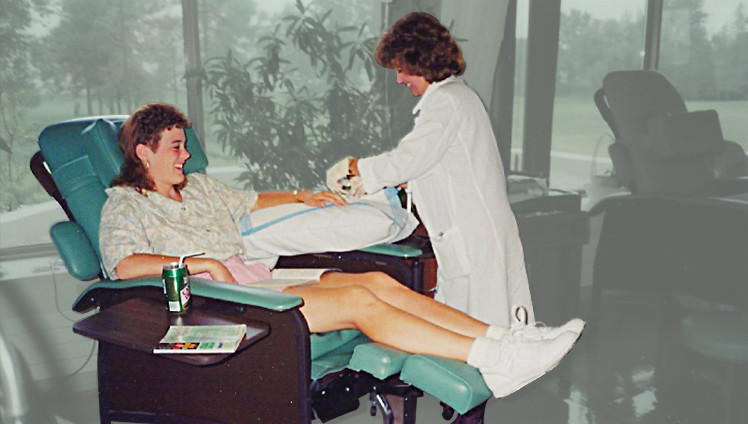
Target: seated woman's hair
[144, 126]
[418, 44]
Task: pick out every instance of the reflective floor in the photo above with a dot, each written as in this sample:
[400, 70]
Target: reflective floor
[624, 370]
[627, 368]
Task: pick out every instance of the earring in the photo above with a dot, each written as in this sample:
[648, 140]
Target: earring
[147, 165]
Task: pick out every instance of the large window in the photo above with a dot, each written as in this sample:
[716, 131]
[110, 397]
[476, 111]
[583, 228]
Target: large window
[704, 53]
[595, 37]
[287, 86]
[64, 59]
[288, 89]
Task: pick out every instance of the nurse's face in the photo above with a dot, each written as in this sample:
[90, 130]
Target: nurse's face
[416, 83]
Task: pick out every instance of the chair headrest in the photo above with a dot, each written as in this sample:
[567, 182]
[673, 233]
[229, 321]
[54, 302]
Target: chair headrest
[101, 142]
[61, 143]
[634, 95]
[83, 155]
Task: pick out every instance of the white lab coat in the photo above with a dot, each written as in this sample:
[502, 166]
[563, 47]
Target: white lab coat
[451, 163]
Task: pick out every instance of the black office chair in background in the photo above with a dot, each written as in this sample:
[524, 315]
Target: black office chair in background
[660, 146]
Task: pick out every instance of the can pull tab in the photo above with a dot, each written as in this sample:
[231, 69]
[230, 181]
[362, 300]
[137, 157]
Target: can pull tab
[189, 255]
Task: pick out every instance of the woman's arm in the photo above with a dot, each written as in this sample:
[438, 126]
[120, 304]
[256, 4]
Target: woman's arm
[418, 151]
[144, 264]
[322, 198]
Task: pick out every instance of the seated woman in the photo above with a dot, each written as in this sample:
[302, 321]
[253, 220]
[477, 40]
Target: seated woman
[155, 213]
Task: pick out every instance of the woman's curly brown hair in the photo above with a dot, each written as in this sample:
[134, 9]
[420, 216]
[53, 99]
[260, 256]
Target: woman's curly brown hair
[144, 126]
[419, 44]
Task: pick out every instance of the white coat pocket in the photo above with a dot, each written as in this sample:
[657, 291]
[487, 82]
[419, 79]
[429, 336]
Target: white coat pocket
[451, 256]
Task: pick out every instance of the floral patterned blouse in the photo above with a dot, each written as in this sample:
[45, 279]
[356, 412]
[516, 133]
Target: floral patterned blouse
[205, 221]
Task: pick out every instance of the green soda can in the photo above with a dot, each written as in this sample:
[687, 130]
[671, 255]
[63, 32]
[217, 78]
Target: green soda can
[176, 286]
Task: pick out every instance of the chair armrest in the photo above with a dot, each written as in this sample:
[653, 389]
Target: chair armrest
[737, 202]
[76, 250]
[243, 295]
[732, 162]
[396, 250]
[623, 165]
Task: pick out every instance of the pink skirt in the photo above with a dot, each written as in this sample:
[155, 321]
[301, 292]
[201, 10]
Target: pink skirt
[244, 274]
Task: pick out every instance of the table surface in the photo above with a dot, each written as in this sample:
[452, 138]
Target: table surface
[140, 323]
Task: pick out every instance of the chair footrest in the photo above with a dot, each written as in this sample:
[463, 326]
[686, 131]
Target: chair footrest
[378, 360]
[455, 383]
[331, 352]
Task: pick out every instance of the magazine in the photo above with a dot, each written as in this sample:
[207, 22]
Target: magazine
[202, 339]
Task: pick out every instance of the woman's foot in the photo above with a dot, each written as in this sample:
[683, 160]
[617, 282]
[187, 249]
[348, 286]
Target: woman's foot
[514, 361]
[536, 331]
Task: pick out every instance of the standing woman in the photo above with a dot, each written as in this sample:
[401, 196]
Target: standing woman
[450, 161]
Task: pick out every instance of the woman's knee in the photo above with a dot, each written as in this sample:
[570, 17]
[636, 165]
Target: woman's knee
[379, 282]
[358, 299]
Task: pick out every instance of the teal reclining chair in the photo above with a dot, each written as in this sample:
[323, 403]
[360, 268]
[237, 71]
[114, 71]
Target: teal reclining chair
[287, 376]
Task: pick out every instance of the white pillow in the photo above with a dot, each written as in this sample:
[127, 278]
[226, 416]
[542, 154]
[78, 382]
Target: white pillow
[295, 228]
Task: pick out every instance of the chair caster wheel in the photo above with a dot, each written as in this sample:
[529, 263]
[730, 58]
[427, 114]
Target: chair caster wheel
[447, 413]
[373, 411]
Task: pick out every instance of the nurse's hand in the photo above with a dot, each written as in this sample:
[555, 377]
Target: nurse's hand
[356, 187]
[337, 174]
[325, 198]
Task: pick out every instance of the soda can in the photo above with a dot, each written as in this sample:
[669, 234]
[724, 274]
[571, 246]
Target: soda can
[176, 287]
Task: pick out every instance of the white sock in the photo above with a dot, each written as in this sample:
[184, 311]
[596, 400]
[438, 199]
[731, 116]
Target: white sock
[485, 351]
[496, 332]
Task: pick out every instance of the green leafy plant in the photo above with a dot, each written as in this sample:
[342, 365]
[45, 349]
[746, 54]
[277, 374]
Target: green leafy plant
[289, 123]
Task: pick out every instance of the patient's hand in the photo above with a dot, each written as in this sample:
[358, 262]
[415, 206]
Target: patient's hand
[216, 269]
[221, 273]
[325, 198]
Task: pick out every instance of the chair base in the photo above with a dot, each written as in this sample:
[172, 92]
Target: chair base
[473, 416]
[396, 400]
[337, 394]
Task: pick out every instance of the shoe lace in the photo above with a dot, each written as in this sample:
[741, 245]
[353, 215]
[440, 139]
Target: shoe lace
[521, 318]
[540, 324]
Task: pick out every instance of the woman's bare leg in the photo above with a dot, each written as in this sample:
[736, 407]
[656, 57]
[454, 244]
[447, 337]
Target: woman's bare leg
[401, 297]
[337, 308]
[506, 365]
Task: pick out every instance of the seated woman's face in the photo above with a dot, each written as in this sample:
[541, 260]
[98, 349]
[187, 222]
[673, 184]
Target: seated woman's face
[166, 164]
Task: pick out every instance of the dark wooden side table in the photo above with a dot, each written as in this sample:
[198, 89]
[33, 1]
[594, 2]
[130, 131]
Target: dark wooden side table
[139, 324]
[254, 384]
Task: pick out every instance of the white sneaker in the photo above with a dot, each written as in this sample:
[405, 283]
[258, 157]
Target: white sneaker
[540, 331]
[521, 361]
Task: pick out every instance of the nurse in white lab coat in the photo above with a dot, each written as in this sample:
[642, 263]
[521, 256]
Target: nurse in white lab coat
[450, 161]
